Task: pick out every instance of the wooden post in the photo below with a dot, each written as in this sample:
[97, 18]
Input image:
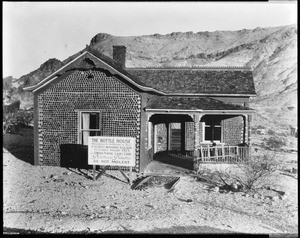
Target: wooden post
[208, 152]
[196, 118]
[155, 138]
[182, 139]
[216, 153]
[223, 153]
[130, 175]
[168, 136]
[201, 150]
[94, 172]
[229, 155]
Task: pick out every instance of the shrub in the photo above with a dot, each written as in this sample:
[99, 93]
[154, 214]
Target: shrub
[271, 132]
[13, 121]
[275, 142]
[257, 172]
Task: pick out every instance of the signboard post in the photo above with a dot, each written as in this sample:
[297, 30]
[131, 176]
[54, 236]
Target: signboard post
[111, 151]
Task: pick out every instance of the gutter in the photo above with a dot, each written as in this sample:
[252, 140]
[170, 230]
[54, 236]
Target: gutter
[200, 111]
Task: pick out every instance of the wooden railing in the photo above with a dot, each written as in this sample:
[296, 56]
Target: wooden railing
[223, 153]
[215, 154]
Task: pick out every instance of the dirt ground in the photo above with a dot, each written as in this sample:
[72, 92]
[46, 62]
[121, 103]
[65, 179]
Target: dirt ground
[60, 200]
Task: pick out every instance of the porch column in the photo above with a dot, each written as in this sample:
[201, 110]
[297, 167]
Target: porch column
[246, 134]
[196, 118]
[182, 139]
[168, 135]
[249, 130]
[155, 138]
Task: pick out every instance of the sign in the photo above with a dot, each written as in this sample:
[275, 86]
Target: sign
[111, 151]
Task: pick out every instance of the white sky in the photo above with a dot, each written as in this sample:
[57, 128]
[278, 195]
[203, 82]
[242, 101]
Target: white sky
[33, 32]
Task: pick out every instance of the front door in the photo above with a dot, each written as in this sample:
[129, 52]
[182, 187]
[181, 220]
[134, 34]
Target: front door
[175, 136]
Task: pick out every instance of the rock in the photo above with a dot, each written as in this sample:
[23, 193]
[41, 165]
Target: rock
[59, 180]
[107, 207]
[67, 173]
[275, 198]
[234, 187]
[283, 197]
[256, 196]
[216, 189]
[53, 176]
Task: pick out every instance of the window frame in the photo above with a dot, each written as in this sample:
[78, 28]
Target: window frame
[212, 126]
[80, 130]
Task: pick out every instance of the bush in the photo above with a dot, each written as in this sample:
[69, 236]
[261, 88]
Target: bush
[257, 172]
[13, 121]
[275, 142]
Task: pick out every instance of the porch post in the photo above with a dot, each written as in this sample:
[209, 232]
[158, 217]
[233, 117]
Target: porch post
[249, 130]
[155, 138]
[196, 119]
[245, 133]
[182, 128]
[168, 135]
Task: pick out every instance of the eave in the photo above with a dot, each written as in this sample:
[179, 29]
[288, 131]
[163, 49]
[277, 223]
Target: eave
[217, 112]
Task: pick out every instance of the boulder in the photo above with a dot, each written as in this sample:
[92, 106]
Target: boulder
[234, 187]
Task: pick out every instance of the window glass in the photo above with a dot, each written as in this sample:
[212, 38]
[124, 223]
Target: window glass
[90, 126]
[212, 129]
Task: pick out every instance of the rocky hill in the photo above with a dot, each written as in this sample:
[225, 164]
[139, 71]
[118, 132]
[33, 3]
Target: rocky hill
[270, 52]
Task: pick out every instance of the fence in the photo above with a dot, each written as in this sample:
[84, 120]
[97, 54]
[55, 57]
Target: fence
[217, 154]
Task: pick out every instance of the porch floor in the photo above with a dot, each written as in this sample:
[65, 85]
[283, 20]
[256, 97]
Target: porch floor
[164, 164]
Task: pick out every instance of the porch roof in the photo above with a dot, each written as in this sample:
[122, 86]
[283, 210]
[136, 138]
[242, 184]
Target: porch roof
[199, 103]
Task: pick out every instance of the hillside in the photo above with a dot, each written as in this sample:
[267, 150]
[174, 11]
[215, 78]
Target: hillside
[271, 52]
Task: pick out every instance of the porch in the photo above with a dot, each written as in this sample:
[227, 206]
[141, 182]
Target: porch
[175, 162]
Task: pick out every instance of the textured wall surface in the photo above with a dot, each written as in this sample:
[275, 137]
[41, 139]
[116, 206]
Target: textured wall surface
[97, 90]
[232, 133]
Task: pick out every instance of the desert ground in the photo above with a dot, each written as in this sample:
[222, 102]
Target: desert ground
[47, 199]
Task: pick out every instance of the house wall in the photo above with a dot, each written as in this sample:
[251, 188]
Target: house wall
[98, 90]
[232, 130]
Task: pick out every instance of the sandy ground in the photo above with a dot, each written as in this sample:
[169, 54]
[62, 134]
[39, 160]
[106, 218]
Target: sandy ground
[57, 200]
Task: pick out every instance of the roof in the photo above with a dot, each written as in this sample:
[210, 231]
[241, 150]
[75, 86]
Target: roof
[206, 81]
[183, 103]
[115, 65]
[73, 65]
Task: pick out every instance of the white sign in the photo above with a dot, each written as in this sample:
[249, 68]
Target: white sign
[113, 151]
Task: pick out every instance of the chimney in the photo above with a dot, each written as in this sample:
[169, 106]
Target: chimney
[119, 54]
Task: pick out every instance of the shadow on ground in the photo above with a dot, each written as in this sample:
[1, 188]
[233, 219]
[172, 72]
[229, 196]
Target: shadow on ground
[163, 157]
[20, 144]
[171, 230]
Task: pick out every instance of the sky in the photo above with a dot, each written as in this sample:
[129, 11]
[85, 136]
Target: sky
[34, 32]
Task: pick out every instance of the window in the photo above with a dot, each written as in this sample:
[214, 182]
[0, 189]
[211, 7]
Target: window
[212, 130]
[90, 125]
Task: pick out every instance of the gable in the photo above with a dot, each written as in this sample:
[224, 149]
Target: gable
[88, 61]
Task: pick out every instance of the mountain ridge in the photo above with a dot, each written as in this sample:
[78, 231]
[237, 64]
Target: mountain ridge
[270, 52]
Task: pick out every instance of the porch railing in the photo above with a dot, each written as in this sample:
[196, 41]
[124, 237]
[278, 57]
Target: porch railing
[215, 154]
[223, 153]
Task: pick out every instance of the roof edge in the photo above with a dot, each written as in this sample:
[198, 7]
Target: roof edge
[239, 68]
[53, 74]
[200, 111]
